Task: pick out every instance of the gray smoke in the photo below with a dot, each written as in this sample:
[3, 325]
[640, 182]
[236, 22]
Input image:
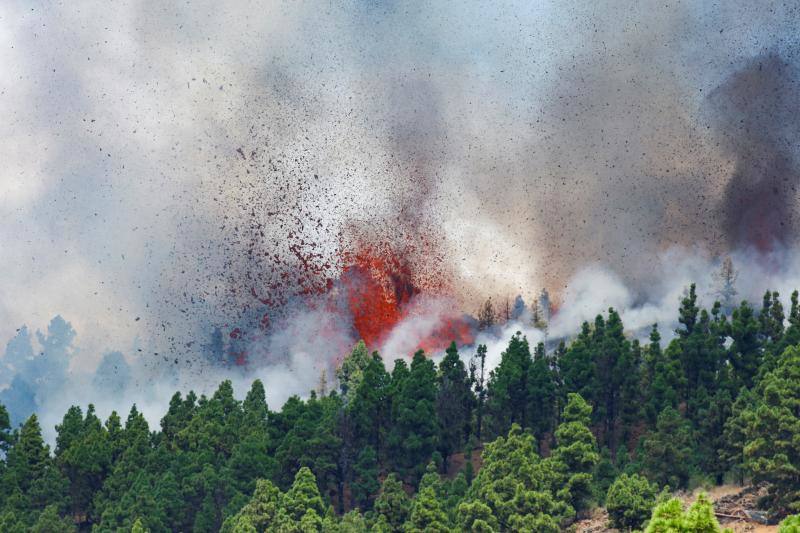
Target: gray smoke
[755, 112]
[166, 167]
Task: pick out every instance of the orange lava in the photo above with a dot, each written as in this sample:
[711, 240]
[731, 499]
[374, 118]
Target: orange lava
[454, 329]
[380, 286]
[377, 287]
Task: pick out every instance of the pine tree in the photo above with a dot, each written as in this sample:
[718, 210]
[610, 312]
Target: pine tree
[127, 493]
[669, 450]
[454, 492]
[507, 391]
[69, 430]
[790, 524]
[83, 453]
[6, 437]
[178, 416]
[351, 371]
[771, 318]
[313, 442]
[735, 434]
[630, 501]
[31, 480]
[541, 391]
[687, 314]
[365, 483]
[770, 426]
[392, 503]
[254, 407]
[711, 432]
[477, 516]
[522, 490]
[138, 527]
[454, 403]
[302, 497]
[576, 450]
[629, 369]
[726, 285]
[613, 364]
[477, 370]
[414, 432]
[351, 522]
[363, 422]
[791, 337]
[259, 512]
[698, 352]
[487, 317]
[369, 407]
[577, 365]
[606, 471]
[665, 380]
[49, 521]
[745, 352]
[427, 514]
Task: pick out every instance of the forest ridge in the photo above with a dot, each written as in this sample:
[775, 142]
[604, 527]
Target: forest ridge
[531, 445]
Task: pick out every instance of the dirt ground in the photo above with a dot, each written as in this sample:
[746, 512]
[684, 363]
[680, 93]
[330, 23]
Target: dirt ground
[736, 495]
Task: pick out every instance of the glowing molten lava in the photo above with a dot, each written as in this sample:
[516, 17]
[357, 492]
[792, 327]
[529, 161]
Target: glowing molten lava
[380, 289]
[377, 287]
[382, 294]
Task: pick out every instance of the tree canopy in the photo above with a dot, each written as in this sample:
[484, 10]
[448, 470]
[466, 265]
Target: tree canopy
[438, 443]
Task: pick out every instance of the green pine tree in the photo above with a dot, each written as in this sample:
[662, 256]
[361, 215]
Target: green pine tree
[576, 450]
[667, 453]
[365, 483]
[427, 514]
[392, 504]
[414, 433]
[454, 403]
[769, 427]
[259, 512]
[630, 501]
[507, 400]
[542, 393]
[351, 371]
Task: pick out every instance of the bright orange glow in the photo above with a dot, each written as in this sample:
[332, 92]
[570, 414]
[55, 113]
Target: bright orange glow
[380, 288]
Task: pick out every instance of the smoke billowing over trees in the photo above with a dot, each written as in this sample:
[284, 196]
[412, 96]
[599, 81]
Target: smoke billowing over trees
[429, 445]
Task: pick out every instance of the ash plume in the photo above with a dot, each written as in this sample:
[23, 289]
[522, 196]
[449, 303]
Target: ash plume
[219, 168]
[755, 110]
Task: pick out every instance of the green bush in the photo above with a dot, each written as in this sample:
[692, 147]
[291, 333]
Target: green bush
[670, 517]
[790, 524]
[630, 501]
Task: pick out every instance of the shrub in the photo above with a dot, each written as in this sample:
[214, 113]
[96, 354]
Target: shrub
[630, 501]
[791, 524]
[670, 517]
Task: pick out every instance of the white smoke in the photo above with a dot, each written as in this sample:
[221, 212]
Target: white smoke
[560, 145]
[311, 342]
[426, 316]
[549, 136]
